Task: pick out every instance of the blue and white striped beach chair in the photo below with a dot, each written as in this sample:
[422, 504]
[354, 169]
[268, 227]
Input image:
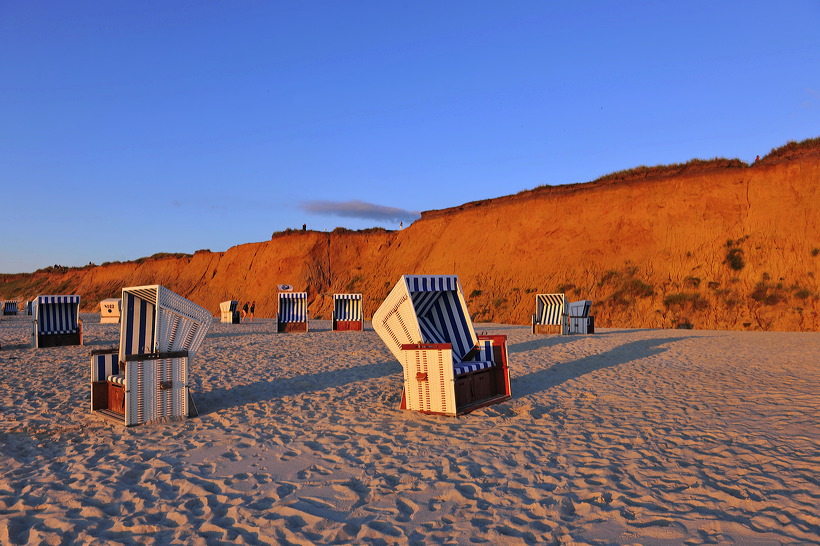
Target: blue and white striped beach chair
[9, 307]
[580, 321]
[147, 377]
[448, 369]
[229, 312]
[550, 314]
[56, 321]
[292, 315]
[347, 312]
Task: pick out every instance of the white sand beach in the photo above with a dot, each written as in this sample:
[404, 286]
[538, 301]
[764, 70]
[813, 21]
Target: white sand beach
[622, 437]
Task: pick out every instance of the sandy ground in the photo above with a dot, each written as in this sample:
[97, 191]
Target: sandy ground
[625, 436]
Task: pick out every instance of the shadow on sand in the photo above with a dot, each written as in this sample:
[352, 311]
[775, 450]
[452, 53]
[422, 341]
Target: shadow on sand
[260, 391]
[555, 375]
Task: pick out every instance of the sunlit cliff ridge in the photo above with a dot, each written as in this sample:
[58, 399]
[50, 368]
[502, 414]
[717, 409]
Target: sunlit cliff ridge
[712, 245]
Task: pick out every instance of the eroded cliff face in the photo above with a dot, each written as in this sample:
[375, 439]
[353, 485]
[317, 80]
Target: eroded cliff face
[720, 248]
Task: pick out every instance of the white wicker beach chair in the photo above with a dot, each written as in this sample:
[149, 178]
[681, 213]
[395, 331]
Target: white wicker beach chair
[550, 314]
[229, 312]
[56, 321]
[147, 378]
[448, 370]
[580, 321]
[347, 312]
[9, 307]
[110, 310]
[292, 312]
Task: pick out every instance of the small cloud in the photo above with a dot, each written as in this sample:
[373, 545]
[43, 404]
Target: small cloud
[360, 209]
[812, 99]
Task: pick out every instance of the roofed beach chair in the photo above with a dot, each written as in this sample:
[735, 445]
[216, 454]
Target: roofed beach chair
[9, 307]
[292, 312]
[56, 321]
[147, 377]
[580, 321]
[110, 310]
[347, 312]
[550, 314]
[229, 312]
[448, 370]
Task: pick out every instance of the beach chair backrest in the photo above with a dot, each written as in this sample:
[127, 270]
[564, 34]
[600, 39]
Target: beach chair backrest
[10, 307]
[292, 306]
[347, 306]
[228, 306]
[579, 309]
[549, 308]
[57, 314]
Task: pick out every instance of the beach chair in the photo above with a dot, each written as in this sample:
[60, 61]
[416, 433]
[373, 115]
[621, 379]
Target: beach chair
[347, 312]
[292, 314]
[580, 321]
[56, 321]
[147, 378]
[110, 310]
[550, 314]
[9, 308]
[448, 370]
[229, 312]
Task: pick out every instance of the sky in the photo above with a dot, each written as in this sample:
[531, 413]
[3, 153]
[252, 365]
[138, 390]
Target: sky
[129, 128]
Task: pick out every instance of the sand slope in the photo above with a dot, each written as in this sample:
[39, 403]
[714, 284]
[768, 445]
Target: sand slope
[627, 436]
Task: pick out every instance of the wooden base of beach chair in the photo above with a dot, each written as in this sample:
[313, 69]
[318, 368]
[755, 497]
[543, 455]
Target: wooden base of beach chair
[347, 325]
[543, 329]
[59, 340]
[291, 326]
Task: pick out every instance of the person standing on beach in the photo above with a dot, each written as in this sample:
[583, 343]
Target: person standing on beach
[244, 311]
[253, 308]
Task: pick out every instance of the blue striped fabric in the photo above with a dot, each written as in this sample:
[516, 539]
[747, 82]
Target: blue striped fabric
[117, 379]
[347, 306]
[466, 367]
[441, 316]
[105, 365]
[10, 308]
[137, 330]
[549, 308]
[58, 314]
[293, 307]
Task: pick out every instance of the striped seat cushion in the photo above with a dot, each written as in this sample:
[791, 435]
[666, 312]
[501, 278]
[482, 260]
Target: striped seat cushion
[118, 379]
[466, 367]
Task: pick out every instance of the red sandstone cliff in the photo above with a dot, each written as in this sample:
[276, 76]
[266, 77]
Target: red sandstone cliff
[714, 246]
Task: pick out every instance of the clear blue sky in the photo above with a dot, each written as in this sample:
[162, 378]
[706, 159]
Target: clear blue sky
[134, 127]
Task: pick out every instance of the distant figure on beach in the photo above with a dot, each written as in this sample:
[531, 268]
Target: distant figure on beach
[244, 310]
[757, 158]
[304, 227]
[253, 308]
